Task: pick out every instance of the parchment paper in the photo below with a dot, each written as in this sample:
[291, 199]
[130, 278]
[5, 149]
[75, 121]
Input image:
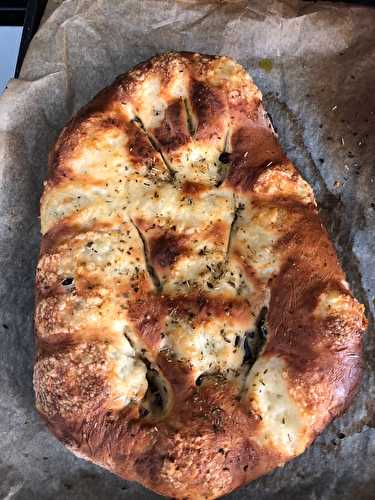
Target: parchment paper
[315, 64]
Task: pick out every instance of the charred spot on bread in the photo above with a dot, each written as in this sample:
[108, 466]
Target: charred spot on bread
[224, 157]
[67, 281]
[155, 400]
[254, 341]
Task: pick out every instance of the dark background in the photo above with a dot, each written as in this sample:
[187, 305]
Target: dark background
[19, 19]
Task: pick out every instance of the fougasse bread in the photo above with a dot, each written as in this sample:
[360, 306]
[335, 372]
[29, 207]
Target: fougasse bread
[194, 327]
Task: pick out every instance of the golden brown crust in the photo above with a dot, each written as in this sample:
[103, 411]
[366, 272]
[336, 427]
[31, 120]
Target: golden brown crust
[194, 326]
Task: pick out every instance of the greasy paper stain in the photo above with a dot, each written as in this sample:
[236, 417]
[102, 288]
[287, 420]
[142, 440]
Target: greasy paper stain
[265, 64]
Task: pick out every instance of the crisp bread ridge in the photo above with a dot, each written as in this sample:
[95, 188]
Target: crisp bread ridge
[194, 327]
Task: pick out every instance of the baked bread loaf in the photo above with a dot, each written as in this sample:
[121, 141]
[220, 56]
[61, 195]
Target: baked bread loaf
[194, 327]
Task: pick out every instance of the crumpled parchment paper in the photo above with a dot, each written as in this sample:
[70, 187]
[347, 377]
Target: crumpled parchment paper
[315, 64]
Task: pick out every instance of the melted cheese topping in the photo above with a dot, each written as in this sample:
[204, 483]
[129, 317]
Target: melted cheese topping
[333, 303]
[128, 375]
[284, 180]
[210, 347]
[283, 424]
[100, 152]
[98, 258]
[258, 229]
